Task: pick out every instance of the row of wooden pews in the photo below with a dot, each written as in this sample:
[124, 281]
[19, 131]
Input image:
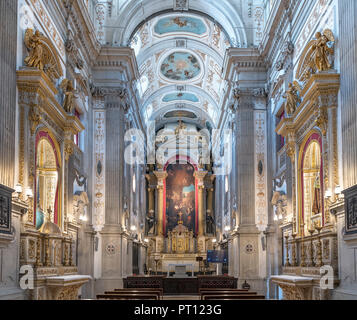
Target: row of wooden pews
[132, 294]
[229, 294]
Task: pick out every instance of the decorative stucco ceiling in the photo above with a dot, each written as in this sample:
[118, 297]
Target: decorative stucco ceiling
[180, 57]
[180, 47]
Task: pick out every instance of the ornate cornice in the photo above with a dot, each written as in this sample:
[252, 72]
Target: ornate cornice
[319, 94]
[38, 92]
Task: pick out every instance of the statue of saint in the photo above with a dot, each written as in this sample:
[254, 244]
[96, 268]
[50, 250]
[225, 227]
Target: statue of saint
[316, 206]
[67, 87]
[151, 223]
[210, 224]
[36, 55]
[292, 98]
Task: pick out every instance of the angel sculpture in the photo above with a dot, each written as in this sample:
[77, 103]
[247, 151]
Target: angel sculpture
[36, 55]
[292, 98]
[68, 89]
[322, 50]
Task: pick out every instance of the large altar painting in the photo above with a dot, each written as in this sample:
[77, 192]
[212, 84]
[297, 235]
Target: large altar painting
[180, 197]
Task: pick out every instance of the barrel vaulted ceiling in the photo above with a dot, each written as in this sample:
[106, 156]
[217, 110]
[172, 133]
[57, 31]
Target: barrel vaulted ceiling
[180, 47]
[180, 57]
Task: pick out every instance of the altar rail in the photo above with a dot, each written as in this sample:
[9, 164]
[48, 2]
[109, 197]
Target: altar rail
[310, 252]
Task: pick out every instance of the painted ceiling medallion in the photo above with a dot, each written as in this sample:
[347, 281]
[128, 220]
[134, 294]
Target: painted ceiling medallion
[180, 24]
[180, 66]
[180, 114]
[180, 97]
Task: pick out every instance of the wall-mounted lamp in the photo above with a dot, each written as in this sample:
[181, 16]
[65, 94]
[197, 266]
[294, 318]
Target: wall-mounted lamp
[214, 240]
[338, 190]
[146, 240]
[328, 194]
[227, 229]
[133, 228]
[83, 218]
[18, 189]
[29, 193]
[278, 217]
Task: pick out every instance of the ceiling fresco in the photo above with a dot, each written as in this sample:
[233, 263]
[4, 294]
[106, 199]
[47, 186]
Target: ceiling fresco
[180, 24]
[180, 96]
[180, 114]
[180, 66]
[195, 65]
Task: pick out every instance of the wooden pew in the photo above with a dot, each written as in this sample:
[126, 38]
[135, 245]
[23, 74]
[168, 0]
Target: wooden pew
[128, 296]
[233, 297]
[222, 289]
[141, 289]
[137, 291]
[226, 292]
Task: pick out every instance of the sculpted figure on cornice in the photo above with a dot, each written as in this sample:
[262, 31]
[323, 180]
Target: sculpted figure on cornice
[316, 56]
[68, 90]
[322, 50]
[292, 98]
[42, 54]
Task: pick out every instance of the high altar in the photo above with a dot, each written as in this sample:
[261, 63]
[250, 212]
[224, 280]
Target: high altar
[180, 219]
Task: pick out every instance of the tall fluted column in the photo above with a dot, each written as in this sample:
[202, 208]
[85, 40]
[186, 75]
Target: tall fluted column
[8, 43]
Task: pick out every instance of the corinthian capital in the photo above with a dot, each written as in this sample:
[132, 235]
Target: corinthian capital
[103, 91]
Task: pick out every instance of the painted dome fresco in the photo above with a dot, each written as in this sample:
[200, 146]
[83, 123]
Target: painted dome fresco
[180, 66]
[180, 96]
[180, 24]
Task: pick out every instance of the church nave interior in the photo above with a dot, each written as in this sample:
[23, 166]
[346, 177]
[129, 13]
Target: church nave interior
[178, 149]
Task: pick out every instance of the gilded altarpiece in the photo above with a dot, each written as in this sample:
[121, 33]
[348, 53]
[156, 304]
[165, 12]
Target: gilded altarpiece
[46, 143]
[310, 130]
[180, 208]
